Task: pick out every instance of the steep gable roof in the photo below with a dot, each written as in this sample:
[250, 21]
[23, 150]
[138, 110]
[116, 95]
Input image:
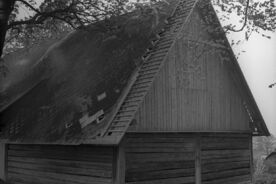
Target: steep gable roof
[120, 110]
[146, 74]
[127, 111]
[59, 106]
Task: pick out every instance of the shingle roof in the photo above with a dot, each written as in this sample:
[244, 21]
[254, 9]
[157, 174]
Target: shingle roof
[90, 74]
[147, 72]
[86, 74]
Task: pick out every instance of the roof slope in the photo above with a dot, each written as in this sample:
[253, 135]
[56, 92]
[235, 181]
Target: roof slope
[91, 72]
[75, 86]
[156, 59]
[147, 73]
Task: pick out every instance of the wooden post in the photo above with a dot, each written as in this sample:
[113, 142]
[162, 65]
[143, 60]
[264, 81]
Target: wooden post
[251, 157]
[2, 161]
[198, 159]
[119, 164]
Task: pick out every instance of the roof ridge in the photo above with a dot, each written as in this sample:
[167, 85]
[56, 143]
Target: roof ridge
[154, 60]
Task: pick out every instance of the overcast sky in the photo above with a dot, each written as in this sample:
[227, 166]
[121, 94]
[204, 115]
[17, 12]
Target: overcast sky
[258, 64]
[257, 59]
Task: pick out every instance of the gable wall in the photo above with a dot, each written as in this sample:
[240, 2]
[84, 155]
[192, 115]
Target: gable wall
[188, 158]
[194, 90]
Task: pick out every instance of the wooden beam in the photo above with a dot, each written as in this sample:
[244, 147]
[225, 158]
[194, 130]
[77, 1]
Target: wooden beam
[119, 164]
[251, 158]
[2, 161]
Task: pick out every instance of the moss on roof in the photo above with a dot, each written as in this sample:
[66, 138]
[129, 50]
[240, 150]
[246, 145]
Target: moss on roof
[64, 80]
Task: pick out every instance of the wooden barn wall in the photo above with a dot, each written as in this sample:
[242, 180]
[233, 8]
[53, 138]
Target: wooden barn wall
[44, 164]
[226, 159]
[188, 158]
[160, 158]
[194, 90]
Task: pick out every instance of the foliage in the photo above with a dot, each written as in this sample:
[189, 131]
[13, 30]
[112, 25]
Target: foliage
[253, 15]
[262, 147]
[52, 18]
[261, 175]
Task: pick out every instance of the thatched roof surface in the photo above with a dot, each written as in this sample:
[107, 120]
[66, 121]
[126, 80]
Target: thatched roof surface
[68, 88]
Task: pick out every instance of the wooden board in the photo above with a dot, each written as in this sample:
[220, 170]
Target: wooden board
[226, 159]
[45, 164]
[198, 158]
[160, 158]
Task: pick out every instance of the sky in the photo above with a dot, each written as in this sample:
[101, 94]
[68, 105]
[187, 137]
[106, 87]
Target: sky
[257, 59]
[258, 64]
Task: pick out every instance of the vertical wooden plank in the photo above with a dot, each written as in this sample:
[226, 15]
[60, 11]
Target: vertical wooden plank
[3, 161]
[172, 88]
[194, 90]
[198, 159]
[119, 164]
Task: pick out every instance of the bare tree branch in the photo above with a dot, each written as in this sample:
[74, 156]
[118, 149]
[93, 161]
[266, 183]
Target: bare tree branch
[229, 28]
[40, 17]
[28, 5]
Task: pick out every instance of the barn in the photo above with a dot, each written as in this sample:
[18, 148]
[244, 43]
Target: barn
[159, 99]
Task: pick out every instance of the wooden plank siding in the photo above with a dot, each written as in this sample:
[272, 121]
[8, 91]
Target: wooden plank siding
[160, 158]
[194, 91]
[198, 158]
[142, 158]
[226, 159]
[3, 164]
[49, 164]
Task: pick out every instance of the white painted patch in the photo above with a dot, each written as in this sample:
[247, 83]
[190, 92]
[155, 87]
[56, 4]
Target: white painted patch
[101, 96]
[86, 120]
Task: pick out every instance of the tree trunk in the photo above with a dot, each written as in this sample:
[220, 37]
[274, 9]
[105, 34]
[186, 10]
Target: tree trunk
[6, 6]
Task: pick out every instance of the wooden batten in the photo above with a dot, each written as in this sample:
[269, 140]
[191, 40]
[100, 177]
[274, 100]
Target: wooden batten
[198, 160]
[251, 158]
[119, 164]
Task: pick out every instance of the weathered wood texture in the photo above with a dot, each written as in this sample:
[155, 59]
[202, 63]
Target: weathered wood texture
[2, 161]
[119, 158]
[194, 91]
[188, 158]
[226, 159]
[44, 164]
[160, 159]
